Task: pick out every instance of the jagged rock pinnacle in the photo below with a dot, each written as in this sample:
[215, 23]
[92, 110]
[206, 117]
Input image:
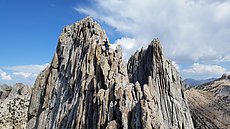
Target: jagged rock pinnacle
[88, 87]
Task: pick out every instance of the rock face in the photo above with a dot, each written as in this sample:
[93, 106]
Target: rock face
[210, 104]
[89, 87]
[14, 103]
[163, 104]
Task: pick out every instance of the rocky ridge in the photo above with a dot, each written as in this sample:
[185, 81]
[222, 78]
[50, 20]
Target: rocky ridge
[14, 103]
[163, 98]
[210, 104]
[85, 88]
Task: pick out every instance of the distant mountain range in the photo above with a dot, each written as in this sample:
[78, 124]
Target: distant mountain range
[193, 83]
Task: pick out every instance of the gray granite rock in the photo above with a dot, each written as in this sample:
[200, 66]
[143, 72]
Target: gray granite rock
[163, 103]
[87, 87]
[14, 103]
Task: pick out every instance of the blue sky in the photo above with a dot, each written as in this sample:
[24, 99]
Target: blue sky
[194, 33]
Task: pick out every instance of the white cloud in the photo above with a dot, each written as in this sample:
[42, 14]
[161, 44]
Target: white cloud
[5, 76]
[226, 58]
[34, 69]
[128, 45]
[203, 71]
[23, 74]
[191, 30]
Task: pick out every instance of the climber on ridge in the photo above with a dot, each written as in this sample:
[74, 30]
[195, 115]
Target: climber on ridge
[107, 45]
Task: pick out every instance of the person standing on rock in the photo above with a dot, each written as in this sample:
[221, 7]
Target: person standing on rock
[107, 45]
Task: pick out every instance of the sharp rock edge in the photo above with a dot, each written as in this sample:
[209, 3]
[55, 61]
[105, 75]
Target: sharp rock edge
[85, 87]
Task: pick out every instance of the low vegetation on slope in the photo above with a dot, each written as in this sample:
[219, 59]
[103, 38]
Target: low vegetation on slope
[210, 104]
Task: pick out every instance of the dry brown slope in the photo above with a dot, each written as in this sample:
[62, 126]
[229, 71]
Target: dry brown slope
[209, 104]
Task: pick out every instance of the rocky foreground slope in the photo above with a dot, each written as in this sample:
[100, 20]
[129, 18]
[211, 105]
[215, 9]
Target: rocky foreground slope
[14, 103]
[210, 104]
[85, 87]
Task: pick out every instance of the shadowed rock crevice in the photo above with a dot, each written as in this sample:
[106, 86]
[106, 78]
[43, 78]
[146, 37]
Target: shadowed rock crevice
[88, 87]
